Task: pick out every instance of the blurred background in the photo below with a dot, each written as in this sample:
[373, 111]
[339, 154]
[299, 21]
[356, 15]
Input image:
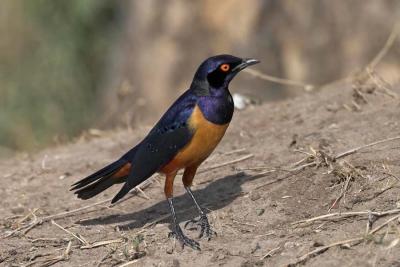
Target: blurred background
[67, 66]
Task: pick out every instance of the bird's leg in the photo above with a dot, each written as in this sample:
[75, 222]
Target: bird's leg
[177, 231]
[202, 222]
[205, 229]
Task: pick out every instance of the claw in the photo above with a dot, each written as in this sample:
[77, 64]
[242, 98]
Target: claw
[183, 240]
[192, 225]
[205, 229]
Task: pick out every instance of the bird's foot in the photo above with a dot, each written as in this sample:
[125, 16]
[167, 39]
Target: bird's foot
[178, 234]
[204, 225]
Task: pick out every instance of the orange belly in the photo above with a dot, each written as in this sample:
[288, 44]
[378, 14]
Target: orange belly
[206, 137]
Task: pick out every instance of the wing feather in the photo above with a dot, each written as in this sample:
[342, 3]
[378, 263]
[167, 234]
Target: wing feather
[164, 141]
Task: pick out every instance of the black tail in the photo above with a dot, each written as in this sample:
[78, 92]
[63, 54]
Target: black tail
[124, 190]
[99, 181]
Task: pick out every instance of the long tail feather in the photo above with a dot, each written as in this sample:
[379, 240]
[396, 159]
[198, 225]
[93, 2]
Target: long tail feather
[124, 190]
[117, 172]
[100, 180]
[104, 172]
[97, 187]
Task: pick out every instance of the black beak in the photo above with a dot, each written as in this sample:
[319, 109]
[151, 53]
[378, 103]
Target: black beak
[245, 63]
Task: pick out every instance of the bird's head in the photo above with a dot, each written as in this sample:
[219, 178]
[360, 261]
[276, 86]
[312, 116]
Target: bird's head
[216, 72]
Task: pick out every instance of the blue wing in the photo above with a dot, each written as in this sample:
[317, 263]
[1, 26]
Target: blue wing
[163, 142]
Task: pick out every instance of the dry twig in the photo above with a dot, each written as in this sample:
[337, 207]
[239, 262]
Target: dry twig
[355, 241]
[336, 215]
[356, 149]
[128, 263]
[53, 260]
[342, 193]
[206, 169]
[103, 243]
[80, 239]
[270, 253]
[266, 77]
[319, 250]
[388, 44]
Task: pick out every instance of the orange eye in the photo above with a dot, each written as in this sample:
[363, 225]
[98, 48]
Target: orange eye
[225, 67]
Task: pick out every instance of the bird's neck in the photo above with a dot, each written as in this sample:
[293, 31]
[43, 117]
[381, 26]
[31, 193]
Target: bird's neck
[217, 107]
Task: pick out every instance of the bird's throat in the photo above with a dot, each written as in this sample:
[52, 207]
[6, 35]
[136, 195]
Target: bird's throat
[217, 109]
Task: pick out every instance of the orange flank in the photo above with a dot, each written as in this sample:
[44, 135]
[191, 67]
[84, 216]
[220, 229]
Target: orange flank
[206, 137]
[124, 171]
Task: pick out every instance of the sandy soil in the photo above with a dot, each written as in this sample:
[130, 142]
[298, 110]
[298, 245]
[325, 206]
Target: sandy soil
[253, 204]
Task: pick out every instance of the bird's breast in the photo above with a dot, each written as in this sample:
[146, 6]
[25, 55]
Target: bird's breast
[206, 137]
[217, 109]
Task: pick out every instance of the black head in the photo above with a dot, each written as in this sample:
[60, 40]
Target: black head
[216, 72]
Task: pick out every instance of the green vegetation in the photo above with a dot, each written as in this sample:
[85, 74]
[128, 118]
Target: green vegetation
[51, 64]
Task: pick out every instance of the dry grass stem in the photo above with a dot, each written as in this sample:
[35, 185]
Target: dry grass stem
[388, 44]
[319, 250]
[383, 224]
[32, 213]
[143, 193]
[103, 243]
[49, 261]
[128, 263]
[266, 77]
[206, 169]
[381, 83]
[27, 227]
[239, 150]
[347, 242]
[270, 253]
[333, 216]
[108, 255]
[342, 193]
[356, 149]
[80, 239]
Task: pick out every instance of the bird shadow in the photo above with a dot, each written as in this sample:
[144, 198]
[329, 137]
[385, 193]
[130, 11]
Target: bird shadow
[216, 195]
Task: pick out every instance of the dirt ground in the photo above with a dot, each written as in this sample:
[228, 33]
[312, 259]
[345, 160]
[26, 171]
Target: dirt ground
[278, 164]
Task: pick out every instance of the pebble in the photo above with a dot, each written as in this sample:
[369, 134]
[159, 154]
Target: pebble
[260, 211]
[169, 250]
[254, 196]
[290, 244]
[318, 244]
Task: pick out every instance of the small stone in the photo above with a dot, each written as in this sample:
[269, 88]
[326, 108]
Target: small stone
[221, 257]
[254, 196]
[290, 245]
[260, 211]
[274, 204]
[255, 246]
[169, 250]
[318, 244]
[235, 251]
[334, 107]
